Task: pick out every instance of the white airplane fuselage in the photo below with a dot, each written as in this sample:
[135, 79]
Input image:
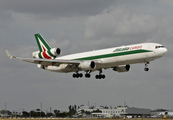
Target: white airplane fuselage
[113, 57]
[117, 58]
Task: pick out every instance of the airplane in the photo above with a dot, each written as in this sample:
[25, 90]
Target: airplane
[117, 58]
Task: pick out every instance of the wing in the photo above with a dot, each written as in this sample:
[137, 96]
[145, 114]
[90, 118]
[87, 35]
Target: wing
[54, 62]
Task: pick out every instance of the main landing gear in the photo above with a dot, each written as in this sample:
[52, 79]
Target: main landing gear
[80, 75]
[100, 76]
[146, 66]
[77, 75]
[88, 75]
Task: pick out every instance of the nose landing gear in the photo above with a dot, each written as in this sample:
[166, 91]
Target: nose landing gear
[146, 66]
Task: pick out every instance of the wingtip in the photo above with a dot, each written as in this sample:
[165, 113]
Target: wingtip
[9, 55]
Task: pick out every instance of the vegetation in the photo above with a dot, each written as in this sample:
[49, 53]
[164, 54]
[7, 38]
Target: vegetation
[38, 113]
[56, 113]
[97, 119]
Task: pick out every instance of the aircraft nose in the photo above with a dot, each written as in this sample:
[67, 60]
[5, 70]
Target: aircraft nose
[164, 51]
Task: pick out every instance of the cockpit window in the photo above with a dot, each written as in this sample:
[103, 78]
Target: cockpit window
[159, 47]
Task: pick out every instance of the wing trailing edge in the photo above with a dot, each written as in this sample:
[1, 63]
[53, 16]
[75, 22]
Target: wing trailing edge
[54, 62]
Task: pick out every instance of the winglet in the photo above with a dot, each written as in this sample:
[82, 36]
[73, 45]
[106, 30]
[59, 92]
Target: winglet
[9, 55]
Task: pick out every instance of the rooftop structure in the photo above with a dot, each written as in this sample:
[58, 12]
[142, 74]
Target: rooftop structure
[103, 112]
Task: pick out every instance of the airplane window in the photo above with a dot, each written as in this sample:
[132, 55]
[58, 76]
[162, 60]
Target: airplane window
[159, 47]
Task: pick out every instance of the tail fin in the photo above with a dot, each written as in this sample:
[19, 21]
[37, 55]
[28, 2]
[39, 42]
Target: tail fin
[45, 50]
[42, 44]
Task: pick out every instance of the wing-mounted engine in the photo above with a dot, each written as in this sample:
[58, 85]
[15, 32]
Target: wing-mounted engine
[123, 68]
[87, 65]
[47, 54]
[40, 66]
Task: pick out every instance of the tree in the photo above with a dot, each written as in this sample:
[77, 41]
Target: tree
[75, 108]
[87, 112]
[37, 114]
[72, 110]
[69, 108]
[43, 114]
[97, 111]
[6, 113]
[37, 110]
[63, 114]
[55, 111]
[49, 114]
[25, 114]
[34, 114]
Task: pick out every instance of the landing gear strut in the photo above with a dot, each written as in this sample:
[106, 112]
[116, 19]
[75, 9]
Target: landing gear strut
[100, 76]
[88, 75]
[146, 66]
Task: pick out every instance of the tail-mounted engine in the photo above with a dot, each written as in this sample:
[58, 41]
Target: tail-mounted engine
[55, 51]
[47, 54]
[123, 68]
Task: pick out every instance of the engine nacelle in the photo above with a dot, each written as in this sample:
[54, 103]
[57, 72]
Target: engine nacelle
[87, 65]
[40, 66]
[123, 68]
[35, 54]
[55, 51]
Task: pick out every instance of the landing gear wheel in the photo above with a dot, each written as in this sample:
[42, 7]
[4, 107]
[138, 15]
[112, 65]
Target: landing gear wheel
[74, 75]
[87, 75]
[80, 75]
[97, 76]
[146, 66]
[146, 69]
[103, 76]
[100, 76]
[77, 75]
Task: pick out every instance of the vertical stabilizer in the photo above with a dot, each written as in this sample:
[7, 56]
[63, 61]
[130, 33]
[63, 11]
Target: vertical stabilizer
[45, 51]
[42, 44]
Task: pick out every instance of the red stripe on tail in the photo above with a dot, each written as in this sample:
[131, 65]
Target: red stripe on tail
[45, 54]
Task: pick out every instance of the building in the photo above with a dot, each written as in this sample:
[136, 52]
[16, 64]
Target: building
[137, 112]
[105, 112]
[5, 113]
[101, 112]
[161, 113]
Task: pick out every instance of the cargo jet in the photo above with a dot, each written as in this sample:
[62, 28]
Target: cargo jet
[117, 58]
